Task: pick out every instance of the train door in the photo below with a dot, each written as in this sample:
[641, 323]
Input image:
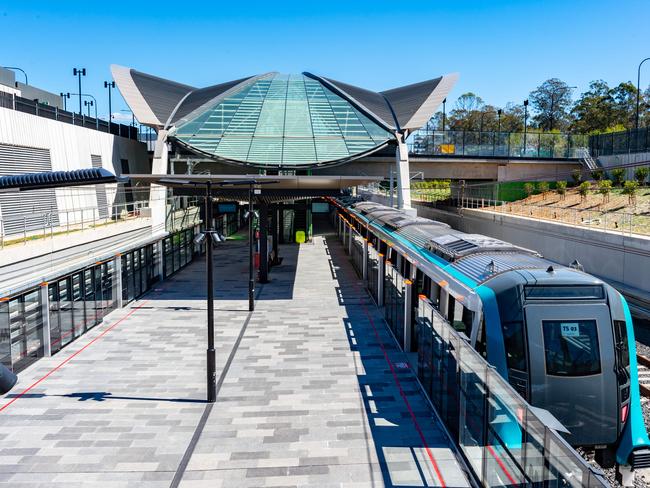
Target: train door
[572, 368]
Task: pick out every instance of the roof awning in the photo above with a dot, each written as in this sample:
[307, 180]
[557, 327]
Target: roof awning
[56, 179]
[270, 187]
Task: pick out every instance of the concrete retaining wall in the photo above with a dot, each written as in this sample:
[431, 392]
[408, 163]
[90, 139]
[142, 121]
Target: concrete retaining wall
[620, 259]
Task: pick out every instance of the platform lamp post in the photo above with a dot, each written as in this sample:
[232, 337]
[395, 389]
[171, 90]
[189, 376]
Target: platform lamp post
[66, 97]
[79, 72]
[110, 85]
[638, 92]
[210, 237]
[525, 123]
[499, 112]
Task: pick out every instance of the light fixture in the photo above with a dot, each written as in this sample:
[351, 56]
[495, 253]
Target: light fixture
[198, 240]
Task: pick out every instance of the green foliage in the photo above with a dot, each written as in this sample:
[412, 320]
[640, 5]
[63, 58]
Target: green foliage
[560, 187]
[583, 189]
[597, 174]
[618, 175]
[529, 188]
[551, 101]
[431, 185]
[542, 187]
[630, 188]
[605, 188]
[576, 176]
[640, 174]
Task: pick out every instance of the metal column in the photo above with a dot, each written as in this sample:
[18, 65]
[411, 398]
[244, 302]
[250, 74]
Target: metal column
[45, 313]
[380, 280]
[264, 243]
[274, 234]
[118, 280]
[408, 295]
[365, 261]
[210, 352]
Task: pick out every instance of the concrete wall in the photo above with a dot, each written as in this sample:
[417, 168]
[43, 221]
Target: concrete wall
[618, 159]
[619, 259]
[70, 148]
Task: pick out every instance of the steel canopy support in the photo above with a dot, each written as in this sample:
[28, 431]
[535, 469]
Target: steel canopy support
[403, 173]
[274, 234]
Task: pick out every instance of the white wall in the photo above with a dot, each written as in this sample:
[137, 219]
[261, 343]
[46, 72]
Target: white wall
[70, 148]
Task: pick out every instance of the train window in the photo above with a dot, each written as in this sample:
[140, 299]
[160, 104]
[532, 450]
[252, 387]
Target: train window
[554, 292]
[571, 347]
[515, 344]
[434, 295]
[622, 348]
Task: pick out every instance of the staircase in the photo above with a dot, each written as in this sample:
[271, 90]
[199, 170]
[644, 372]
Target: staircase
[585, 159]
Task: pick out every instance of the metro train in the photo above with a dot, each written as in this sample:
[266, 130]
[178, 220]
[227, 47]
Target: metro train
[561, 337]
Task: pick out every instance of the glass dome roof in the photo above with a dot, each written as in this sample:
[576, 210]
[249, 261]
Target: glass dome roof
[281, 121]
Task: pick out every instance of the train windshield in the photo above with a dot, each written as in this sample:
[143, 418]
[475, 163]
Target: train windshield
[554, 292]
[571, 347]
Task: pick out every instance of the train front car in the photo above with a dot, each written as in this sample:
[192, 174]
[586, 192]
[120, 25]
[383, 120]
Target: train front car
[570, 349]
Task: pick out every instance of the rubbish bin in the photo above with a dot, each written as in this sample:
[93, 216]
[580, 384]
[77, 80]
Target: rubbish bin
[7, 379]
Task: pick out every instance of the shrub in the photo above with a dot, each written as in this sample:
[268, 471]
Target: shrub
[598, 174]
[605, 188]
[542, 187]
[529, 188]
[618, 175]
[640, 175]
[560, 188]
[630, 188]
[583, 189]
[576, 175]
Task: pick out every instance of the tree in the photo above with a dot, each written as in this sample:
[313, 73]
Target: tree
[618, 175]
[629, 189]
[595, 110]
[605, 188]
[529, 188]
[551, 101]
[467, 112]
[576, 176]
[624, 96]
[560, 188]
[542, 187]
[583, 189]
[640, 175]
[512, 118]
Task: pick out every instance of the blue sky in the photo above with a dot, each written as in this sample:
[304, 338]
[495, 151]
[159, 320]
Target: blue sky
[502, 49]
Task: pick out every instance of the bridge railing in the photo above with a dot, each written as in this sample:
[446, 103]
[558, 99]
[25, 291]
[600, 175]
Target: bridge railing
[529, 145]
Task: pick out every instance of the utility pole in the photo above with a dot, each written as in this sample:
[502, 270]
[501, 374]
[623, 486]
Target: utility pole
[638, 92]
[251, 265]
[79, 72]
[211, 355]
[110, 85]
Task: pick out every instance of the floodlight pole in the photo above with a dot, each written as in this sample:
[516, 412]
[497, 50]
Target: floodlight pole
[211, 355]
[251, 279]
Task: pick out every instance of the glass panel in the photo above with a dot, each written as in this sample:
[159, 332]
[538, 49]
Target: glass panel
[55, 326]
[92, 314]
[137, 274]
[287, 120]
[65, 311]
[5, 335]
[33, 324]
[79, 319]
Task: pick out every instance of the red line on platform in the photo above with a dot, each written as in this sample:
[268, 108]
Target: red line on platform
[73, 355]
[403, 395]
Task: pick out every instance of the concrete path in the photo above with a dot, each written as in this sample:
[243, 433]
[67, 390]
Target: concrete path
[312, 391]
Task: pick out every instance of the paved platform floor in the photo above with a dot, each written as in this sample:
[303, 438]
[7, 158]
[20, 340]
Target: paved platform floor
[311, 392]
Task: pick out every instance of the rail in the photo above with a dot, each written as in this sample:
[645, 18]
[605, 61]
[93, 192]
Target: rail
[528, 145]
[622, 142]
[20, 104]
[613, 222]
[502, 438]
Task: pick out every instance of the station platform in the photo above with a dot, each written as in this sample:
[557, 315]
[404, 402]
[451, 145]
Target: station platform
[312, 390]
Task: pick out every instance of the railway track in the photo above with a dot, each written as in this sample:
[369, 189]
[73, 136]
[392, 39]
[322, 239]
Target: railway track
[643, 366]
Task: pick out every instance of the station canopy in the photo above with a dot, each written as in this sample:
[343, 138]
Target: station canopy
[280, 121]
